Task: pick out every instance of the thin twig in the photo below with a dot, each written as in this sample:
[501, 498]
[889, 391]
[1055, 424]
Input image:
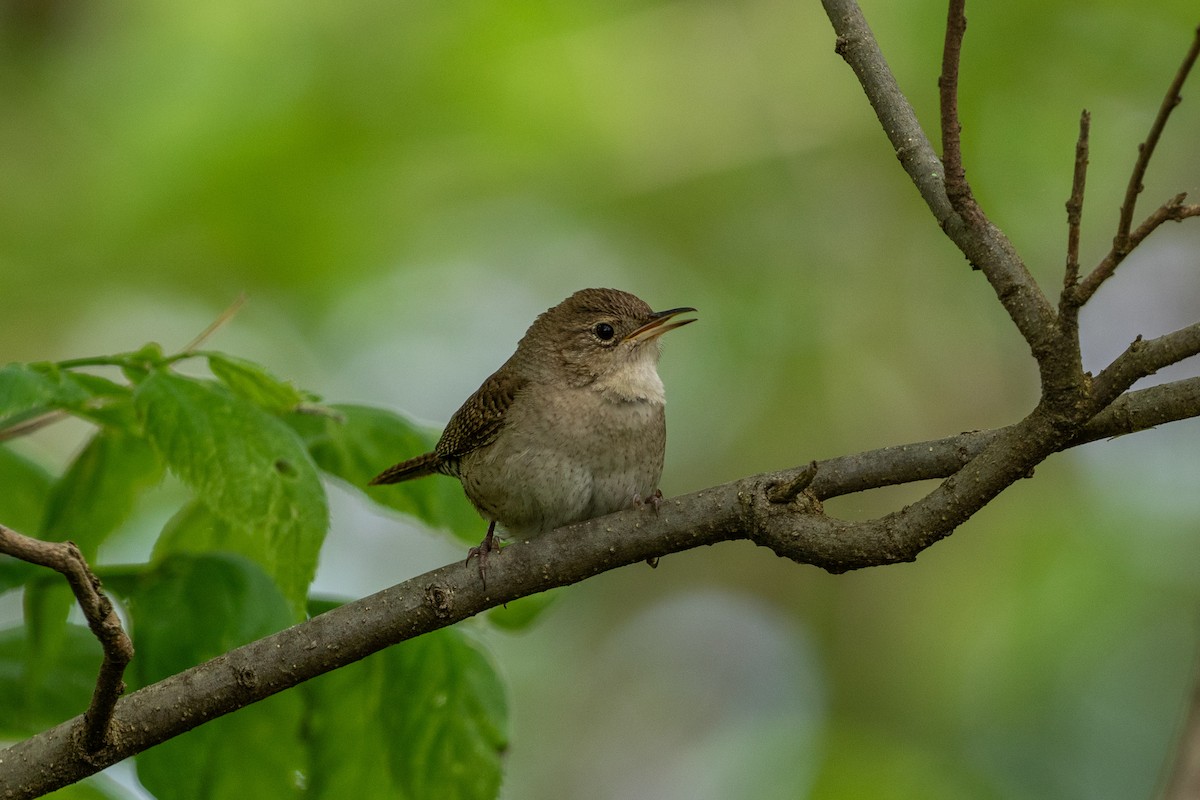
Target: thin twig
[1067, 307]
[1174, 210]
[984, 245]
[216, 324]
[1121, 242]
[858, 46]
[28, 426]
[1126, 240]
[957, 188]
[64, 557]
[36, 423]
[788, 490]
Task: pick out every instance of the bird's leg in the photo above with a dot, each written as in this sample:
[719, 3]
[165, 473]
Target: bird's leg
[654, 501]
[483, 550]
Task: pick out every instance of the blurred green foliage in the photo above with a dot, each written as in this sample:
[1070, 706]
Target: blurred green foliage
[233, 564]
[400, 187]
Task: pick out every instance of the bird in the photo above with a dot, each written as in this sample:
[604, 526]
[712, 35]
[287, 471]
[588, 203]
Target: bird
[570, 427]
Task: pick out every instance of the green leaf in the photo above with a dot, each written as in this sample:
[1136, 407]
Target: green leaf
[47, 601]
[361, 442]
[26, 487]
[519, 614]
[108, 403]
[93, 497]
[249, 468]
[33, 703]
[22, 389]
[14, 573]
[250, 381]
[195, 529]
[99, 489]
[190, 609]
[431, 711]
[25, 388]
[22, 502]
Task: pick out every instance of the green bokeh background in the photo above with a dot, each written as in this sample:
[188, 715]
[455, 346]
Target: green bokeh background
[400, 187]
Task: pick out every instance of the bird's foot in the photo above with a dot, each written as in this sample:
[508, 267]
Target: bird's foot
[483, 550]
[654, 501]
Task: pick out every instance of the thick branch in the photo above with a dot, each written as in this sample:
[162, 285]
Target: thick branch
[1143, 357]
[781, 511]
[1132, 412]
[64, 557]
[856, 44]
[739, 510]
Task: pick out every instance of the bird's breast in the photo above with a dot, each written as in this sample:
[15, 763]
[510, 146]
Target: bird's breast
[565, 456]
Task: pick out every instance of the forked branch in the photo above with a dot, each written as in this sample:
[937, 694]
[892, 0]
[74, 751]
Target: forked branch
[1127, 239]
[755, 508]
[65, 558]
[1122, 243]
[780, 510]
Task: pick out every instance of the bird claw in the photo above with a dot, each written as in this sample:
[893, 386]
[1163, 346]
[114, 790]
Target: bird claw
[482, 550]
[654, 501]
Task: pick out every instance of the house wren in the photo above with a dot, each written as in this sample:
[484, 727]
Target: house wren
[571, 427]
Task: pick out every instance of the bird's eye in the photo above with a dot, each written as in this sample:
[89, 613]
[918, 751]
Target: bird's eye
[604, 332]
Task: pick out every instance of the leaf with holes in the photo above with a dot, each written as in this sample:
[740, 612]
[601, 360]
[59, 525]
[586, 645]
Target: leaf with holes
[250, 469]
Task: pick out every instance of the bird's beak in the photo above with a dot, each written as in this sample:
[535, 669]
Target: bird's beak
[657, 325]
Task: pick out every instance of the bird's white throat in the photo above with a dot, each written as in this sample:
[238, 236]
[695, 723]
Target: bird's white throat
[635, 380]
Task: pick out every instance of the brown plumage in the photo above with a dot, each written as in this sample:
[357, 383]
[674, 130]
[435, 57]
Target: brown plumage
[570, 427]
[474, 425]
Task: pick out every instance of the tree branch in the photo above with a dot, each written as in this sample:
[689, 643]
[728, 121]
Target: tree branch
[743, 509]
[1068, 307]
[65, 558]
[1122, 243]
[957, 188]
[31, 425]
[984, 245]
[856, 44]
[1174, 209]
[1143, 357]
[939, 458]
[781, 511]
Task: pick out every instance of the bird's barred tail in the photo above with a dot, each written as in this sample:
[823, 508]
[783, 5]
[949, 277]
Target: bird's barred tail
[418, 467]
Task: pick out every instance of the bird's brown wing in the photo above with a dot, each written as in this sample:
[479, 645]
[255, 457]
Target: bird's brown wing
[474, 425]
[480, 419]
